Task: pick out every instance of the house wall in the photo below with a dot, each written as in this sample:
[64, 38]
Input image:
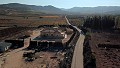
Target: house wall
[50, 34]
[16, 43]
[43, 45]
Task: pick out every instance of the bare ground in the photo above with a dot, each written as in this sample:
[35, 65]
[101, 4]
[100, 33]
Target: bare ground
[106, 57]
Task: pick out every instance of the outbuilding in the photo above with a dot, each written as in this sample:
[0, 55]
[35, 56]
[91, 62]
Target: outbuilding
[4, 46]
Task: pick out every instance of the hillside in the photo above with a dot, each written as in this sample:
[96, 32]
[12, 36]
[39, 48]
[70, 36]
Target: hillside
[96, 10]
[15, 8]
[23, 8]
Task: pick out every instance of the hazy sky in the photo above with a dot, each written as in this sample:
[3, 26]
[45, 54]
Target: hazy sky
[66, 3]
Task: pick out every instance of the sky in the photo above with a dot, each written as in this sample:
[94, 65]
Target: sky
[66, 3]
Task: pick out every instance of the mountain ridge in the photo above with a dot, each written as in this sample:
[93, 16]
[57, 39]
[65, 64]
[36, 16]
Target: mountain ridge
[54, 10]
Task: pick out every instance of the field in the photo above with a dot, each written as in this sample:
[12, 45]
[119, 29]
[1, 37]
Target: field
[102, 43]
[76, 20]
[31, 21]
[118, 21]
[105, 47]
[11, 25]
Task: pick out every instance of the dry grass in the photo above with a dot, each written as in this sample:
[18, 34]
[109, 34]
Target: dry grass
[50, 16]
[76, 20]
[31, 21]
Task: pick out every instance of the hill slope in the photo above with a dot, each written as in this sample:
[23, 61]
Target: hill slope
[16, 7]
[23, 8]
[96, 10]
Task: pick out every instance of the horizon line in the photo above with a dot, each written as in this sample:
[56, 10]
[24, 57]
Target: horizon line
[64, 7]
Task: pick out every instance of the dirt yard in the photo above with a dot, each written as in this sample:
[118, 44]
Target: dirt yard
[49, 58]
[31, 21]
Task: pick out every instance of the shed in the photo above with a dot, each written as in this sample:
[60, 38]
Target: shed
[4, 46]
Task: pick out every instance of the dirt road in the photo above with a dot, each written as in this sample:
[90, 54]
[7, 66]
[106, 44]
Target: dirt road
[77, 61]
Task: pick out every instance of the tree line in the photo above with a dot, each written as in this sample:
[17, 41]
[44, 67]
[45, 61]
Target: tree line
[100, 22]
